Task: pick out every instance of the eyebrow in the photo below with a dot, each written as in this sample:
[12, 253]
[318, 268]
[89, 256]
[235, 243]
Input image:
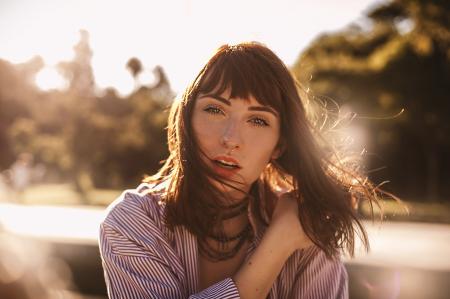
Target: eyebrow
[251, 108]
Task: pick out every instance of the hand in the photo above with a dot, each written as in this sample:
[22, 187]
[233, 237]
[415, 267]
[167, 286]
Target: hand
[285, 221]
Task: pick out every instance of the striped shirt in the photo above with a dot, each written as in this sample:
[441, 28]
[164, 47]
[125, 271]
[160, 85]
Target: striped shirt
[142, 258]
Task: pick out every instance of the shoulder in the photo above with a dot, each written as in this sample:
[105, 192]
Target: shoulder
[133, 223]
[143, 200]
[309, 273]
[314, 259]
[136, 210]
[312, 266]
[315, 271]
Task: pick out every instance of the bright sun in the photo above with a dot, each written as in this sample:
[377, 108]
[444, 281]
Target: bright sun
[49, 78]
[178, 35]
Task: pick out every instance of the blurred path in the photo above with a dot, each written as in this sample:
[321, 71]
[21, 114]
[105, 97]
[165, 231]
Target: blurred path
[72, 224]
[407, 244]
[399, 244]
[58, 245]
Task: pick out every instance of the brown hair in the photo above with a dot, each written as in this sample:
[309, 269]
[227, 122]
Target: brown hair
[316, 176]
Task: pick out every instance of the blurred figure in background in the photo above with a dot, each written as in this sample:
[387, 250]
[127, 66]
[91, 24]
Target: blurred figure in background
[4, 186]
[21, 174]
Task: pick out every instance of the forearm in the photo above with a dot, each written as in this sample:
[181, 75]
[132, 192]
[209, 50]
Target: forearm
[257, 275]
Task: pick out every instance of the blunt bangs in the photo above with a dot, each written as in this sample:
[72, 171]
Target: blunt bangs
[324, 182]
[245, 73]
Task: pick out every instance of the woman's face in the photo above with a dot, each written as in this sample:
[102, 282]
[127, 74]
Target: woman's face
[238, 136]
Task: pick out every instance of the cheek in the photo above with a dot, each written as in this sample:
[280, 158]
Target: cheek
[261, 148]
[204, 130]
[264, 139]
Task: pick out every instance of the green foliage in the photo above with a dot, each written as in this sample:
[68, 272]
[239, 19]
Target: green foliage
[134, 65]
[399, 60]
[91, 141]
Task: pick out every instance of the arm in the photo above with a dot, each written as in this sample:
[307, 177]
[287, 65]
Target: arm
[284, 235]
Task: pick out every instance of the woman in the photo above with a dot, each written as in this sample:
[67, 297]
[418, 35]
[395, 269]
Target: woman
[249, 203]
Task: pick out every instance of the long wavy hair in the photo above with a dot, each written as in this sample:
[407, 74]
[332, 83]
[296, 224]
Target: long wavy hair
[319, 177]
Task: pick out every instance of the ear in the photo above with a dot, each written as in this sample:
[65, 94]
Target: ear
[278, 151]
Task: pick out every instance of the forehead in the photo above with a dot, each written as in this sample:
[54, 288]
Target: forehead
[241, 81]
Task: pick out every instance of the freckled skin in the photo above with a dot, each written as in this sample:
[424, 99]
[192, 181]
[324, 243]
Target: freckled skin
[251, 136]
[237, 129]
[245, 131]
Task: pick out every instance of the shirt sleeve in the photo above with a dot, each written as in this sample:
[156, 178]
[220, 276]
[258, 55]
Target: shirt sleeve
[133, 272]
[321, 278]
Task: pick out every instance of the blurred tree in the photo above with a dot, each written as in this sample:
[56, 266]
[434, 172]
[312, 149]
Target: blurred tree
[90, 140]
[161, 81]
[80, 97]
[400, 58]
[29, 69]
[161, 90]
[16, 93]
[79, 71]
[134, 65]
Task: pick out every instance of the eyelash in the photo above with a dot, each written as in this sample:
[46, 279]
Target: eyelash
[213, 110]
[256, 121]
[259, 122]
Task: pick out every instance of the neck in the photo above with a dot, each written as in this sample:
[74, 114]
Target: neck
[238, 212]
[235, 225]
[234, 229]
[231, 227]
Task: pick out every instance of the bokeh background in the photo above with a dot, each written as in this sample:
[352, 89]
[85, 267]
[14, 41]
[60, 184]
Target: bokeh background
[85, 88]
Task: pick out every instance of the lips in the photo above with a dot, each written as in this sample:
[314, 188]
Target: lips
[225, 166]
[226, 162]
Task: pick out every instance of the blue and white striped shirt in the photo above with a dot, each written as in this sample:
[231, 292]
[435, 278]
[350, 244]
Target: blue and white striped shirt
[142, 258]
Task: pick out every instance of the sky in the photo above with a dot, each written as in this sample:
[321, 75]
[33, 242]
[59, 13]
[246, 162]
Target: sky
[179, 35]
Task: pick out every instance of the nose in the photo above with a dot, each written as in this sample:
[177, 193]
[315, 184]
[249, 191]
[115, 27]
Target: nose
[231, 137]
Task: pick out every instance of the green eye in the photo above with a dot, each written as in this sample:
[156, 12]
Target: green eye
[213, 110]
[259, 122]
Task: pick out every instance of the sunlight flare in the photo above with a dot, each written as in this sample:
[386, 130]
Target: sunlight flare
[49, 78]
